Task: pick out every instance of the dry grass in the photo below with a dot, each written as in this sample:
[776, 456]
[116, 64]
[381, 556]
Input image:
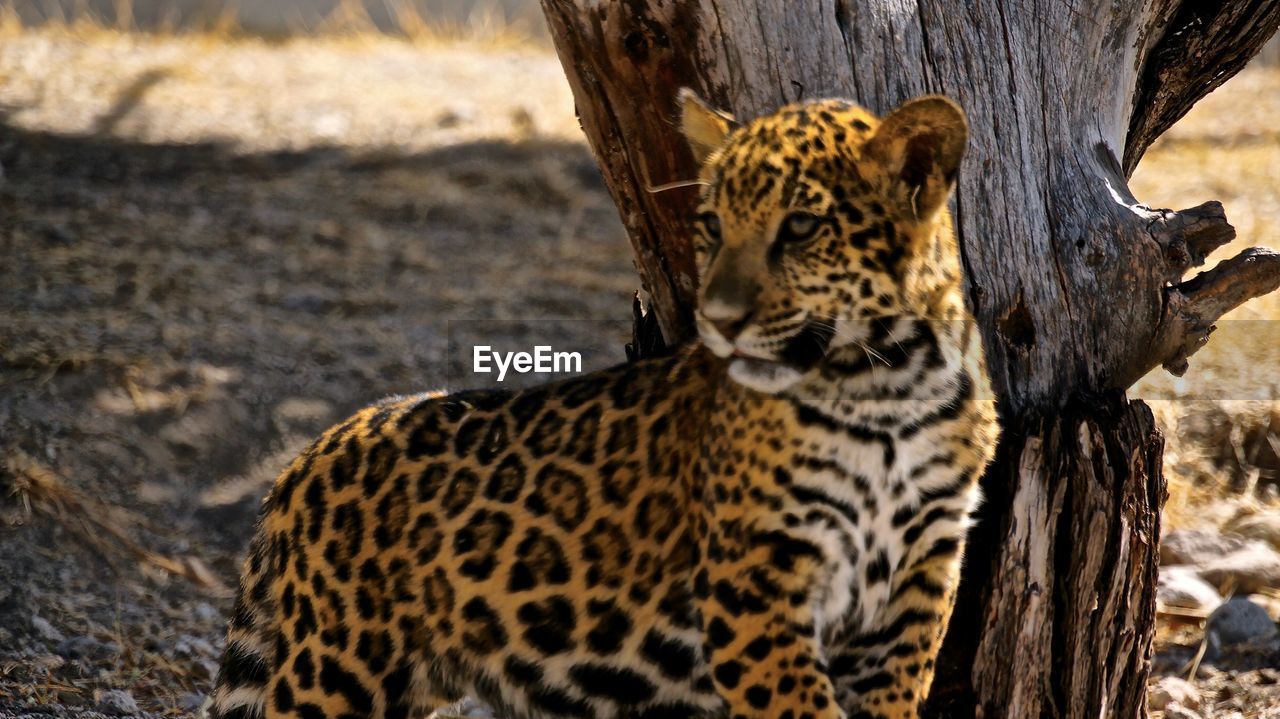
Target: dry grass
[102, 527]
[357, 90]
[1222, 418]
[485, 22]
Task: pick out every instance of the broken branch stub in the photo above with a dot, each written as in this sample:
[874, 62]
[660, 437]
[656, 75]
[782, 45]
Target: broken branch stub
[1200, 46]
[1192, 307]
[1190, 236]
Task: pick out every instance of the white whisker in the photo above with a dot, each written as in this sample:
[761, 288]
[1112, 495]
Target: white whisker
[872, 354]
[674, 186]
[889, 332]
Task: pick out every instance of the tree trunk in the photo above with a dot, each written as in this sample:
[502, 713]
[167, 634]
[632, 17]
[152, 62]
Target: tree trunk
[1077, 287]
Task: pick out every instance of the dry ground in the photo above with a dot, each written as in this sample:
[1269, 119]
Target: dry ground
[210, 249]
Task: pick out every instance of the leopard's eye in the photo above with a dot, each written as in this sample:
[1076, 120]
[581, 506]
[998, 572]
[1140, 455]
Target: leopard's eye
[798, 227]
[710, 222]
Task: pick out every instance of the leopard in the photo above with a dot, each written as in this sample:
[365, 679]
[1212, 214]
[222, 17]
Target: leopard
[766, 521]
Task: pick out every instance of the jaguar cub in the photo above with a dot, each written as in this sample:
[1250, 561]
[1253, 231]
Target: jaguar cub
[767, 523]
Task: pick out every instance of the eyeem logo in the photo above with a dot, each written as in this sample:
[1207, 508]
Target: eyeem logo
[543, 359]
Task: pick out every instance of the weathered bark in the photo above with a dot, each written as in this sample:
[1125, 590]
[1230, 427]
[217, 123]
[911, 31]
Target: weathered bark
[1059, 605]
[1077, 286]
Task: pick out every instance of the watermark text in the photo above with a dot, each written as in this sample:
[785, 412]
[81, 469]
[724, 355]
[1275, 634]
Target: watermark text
[543, 359]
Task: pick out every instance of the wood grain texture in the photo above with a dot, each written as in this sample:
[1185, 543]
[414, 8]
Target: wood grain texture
[1076, 284]
[1060, 593]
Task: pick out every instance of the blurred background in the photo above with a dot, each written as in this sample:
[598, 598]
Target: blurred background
[225, 226]
[281, 18]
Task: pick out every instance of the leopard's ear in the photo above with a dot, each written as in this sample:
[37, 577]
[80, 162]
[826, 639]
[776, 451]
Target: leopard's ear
[703, 126]
[920, 144]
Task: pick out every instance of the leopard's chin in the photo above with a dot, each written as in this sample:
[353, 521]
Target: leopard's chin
[764, 376]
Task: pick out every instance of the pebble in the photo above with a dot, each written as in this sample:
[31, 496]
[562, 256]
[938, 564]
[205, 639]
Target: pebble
[87, 647]
[205, 612]
[46, 630]
[316, 302]
[1251, 568]
[1181, 586]
[1247, 565]
[117, 702]
[1200, 547]
[1239, 621]
[188, 645]
[191, 701]
[1173, 690]
[204, 669]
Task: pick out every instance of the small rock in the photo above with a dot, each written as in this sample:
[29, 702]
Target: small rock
[1263, 526]
[204, 669]
[1251, 568]
[1239, 621]
[1177, 711]
[86, 647]
[1173, 690]
[193, 646]
[46, 630]
[1200, 547]
[315, 302]
[1181, 586]
[205, 612]
[300, 411]
[191, 701]
[117, 702]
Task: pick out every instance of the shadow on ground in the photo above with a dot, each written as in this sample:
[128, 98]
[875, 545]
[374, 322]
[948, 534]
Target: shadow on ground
[178, 320]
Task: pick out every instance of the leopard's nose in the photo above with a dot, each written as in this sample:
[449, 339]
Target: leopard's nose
[729, 325]
[729, 299]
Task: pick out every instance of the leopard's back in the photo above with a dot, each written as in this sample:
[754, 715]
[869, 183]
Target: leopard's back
[532, 549]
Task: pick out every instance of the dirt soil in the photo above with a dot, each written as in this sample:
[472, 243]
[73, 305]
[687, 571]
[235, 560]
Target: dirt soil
[210, 253]
[212, 249]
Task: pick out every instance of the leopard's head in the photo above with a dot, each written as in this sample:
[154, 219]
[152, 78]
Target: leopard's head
[816, 221]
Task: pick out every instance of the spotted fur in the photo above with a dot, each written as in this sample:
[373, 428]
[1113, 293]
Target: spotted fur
[767, 523]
